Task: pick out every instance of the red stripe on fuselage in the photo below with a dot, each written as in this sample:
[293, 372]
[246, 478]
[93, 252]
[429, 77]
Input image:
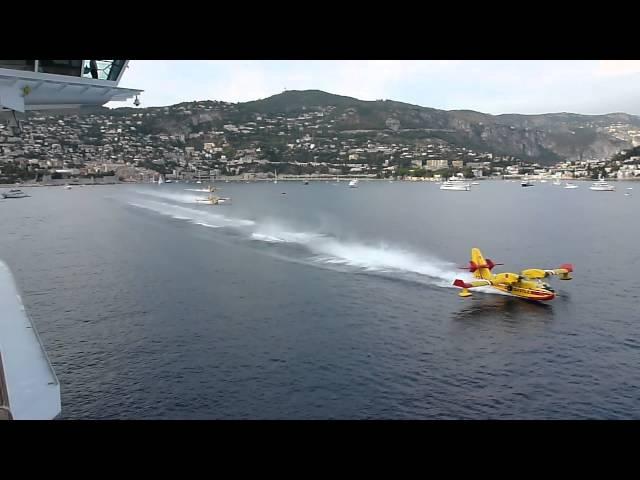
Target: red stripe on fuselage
[541, 295]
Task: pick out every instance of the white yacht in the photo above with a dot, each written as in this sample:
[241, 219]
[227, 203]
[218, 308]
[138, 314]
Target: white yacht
[601, 186]
[570, 185]
[14, 193]
[67, 187]
[455, 184]
[557, 182]
[353, 183]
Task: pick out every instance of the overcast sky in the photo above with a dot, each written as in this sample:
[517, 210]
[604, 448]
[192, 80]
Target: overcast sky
[490, 86]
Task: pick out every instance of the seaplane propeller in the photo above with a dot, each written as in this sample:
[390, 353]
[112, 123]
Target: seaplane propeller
[473, 266]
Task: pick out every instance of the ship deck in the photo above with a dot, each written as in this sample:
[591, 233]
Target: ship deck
[29, 388]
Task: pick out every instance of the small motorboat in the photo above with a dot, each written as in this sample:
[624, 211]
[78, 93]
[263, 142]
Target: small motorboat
[14, 193]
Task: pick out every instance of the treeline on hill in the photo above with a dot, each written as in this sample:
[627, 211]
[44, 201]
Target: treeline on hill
[627, 154]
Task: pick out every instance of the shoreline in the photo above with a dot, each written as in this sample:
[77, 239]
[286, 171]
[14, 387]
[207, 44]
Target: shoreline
[303, 179]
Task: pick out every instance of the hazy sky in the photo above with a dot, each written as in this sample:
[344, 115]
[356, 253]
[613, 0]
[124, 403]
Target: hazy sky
[490, 86]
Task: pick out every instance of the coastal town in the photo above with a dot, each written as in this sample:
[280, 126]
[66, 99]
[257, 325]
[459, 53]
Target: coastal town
[216, 140]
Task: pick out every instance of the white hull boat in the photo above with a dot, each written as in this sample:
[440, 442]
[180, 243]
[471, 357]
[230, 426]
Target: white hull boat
[456, 186]
[601, 186]
[14, 193]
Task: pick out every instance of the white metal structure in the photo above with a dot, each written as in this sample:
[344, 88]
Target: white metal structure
[32, 386]
[29, 388]
[54, 84]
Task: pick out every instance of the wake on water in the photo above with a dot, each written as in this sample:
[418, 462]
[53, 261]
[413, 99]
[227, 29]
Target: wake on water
[177, 197]
[324, 249]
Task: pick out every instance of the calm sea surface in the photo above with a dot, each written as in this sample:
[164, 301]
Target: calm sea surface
[329, 302]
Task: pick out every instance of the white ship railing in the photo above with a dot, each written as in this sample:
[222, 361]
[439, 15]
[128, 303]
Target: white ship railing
[31, 385]
[5, 408]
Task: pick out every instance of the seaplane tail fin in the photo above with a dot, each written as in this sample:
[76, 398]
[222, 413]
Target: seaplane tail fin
[534, 273]
[481, 268]
[564, 272]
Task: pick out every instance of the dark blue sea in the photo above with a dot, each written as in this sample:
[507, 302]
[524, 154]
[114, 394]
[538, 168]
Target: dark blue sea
[324, 302]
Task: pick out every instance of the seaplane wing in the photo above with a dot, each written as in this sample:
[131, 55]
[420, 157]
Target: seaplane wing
[465, 286]
[473, 284]
[564, 272]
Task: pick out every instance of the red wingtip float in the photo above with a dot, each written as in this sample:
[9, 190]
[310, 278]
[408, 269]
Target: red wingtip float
[527, 284]
[461, 283]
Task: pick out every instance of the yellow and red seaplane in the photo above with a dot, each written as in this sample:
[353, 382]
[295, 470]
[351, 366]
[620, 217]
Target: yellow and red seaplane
[527, 284]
